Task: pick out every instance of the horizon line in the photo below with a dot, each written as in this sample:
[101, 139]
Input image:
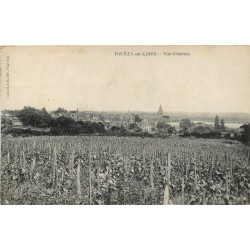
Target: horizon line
[135, 111]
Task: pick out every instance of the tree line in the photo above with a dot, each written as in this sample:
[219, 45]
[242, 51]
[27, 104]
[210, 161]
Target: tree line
[64, 125]
[61, 125]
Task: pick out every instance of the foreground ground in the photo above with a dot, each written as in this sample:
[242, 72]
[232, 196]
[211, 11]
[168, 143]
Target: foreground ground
[113, 170]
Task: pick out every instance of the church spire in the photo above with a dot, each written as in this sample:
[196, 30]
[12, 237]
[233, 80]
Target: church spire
[160, 111]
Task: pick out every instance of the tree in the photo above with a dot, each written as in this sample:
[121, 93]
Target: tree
[123, 130]
[34, 117]
[161, 125]
[222, 125]
[133, 126]
[245, 137]
[115, 129]
[200, 129]
[216, 124]
[61, 110]
[44, 110]
[85, 127]
[5, 121]
[172, 130]
[165, 127]
[185, 125]
[98, 127]
[64, 126]
[64, 122]
[137, 118]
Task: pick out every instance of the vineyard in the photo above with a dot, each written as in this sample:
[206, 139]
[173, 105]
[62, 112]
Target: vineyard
[123, 170]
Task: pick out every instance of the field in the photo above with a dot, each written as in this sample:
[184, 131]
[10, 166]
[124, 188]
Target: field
[118, 170]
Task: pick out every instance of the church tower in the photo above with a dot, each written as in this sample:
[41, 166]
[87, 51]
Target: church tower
[160, 111]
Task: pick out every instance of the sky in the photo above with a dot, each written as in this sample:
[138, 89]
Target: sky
[93, 78]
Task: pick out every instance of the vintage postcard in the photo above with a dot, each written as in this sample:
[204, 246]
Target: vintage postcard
[125, 125]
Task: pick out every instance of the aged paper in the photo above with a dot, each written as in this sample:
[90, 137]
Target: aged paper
[183, 78]
[125, 124]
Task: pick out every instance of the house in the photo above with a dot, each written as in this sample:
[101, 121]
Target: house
[106, 119]
[165, 119]
[55, 115]
[94, 118]
[119, 123]
[7, 115]
[153, 122]
[145, 125]
[73, 115]
[16, 122]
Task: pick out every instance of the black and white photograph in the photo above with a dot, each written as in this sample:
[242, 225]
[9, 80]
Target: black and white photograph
[111, 109]
[125, 125]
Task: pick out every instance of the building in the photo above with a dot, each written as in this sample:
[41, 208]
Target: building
[153, 122]
[119, 124]
[160, 111]
[145, 125]
[164, 119]
[155, 118]
[94, 118]
[74, 116]
[16, 122]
